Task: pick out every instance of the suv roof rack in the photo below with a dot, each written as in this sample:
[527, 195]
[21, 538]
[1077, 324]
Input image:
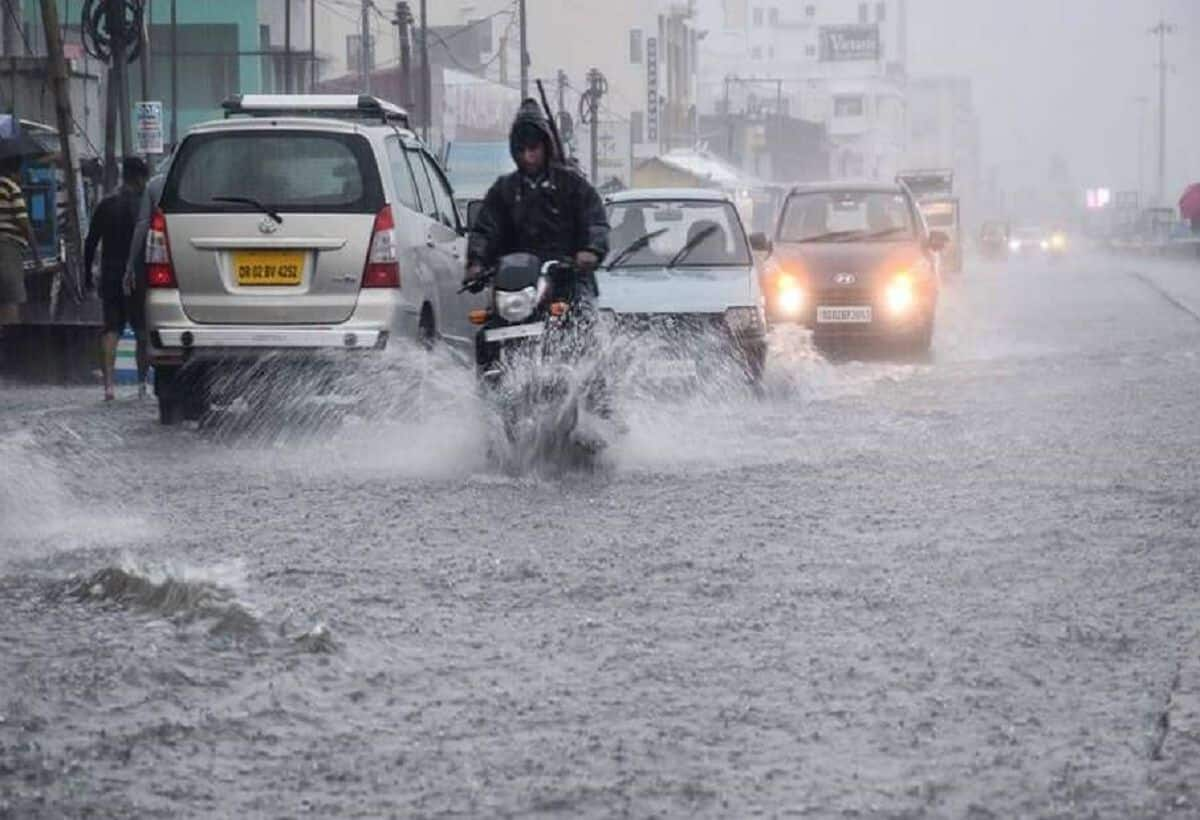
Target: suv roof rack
[334, 106]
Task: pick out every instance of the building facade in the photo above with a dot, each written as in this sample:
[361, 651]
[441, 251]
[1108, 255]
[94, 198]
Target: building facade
[831, 62]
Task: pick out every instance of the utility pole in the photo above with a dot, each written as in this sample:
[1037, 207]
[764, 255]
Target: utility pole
[287, 46]
[402, 22]
[426, 75]
[312, 45]
[1142, 102]
[524, 51]
[121, 66]
[589, 114]
[364, 49]
[174, 76]
[1162, 30]
[66, 129]
[144, 59]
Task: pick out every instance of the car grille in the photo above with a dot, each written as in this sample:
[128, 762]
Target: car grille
[843, 296]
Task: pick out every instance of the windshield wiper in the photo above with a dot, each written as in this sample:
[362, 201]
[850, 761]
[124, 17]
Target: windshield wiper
[245, 200]
[635, 246]
[832, 236]
[884, 233]
[701, 235]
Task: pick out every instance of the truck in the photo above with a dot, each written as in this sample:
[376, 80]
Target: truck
[933, 189]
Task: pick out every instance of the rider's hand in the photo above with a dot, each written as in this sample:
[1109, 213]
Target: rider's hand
[586, 261]
[127, 283]
[473, 280]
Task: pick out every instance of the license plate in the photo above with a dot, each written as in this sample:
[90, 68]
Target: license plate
[500, 334]
[268, 268]
[844, 315]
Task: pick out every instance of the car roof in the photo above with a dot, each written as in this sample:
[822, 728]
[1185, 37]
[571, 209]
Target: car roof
[674, 194]
[328, 124]
[856, 186]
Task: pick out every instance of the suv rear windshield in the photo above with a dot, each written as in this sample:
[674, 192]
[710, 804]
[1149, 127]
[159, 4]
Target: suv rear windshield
[287, 171]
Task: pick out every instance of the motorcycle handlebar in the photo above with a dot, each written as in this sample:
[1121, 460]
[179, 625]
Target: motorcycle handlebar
[488, 274]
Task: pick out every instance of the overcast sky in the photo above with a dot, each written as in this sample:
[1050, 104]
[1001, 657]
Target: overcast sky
[1063, 75]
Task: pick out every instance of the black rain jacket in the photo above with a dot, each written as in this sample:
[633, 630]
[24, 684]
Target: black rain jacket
[554, 216]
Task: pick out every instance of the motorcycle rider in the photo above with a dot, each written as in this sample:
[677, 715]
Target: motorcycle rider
[544, 207]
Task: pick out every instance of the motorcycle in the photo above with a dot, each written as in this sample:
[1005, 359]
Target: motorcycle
[536, 356]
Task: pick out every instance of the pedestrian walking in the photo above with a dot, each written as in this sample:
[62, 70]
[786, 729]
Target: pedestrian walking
[112, 229]
[16, 238]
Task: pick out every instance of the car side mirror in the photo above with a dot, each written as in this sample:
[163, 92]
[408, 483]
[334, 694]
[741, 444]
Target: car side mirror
[760, 242]
[937, 241]
[474, 208]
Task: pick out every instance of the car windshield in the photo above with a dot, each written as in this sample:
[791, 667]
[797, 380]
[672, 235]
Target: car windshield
[284, 171]
[839, 216]
[712, 229]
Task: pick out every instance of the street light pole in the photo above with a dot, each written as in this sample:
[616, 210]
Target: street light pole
[524, 51]
[1162, 30]
[426, 75]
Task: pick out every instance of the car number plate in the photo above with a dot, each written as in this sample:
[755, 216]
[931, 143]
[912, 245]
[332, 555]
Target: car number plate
[500, 334]
[268, 268]
[844, 315]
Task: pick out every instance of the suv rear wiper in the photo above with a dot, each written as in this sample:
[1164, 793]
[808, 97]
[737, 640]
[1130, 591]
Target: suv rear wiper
[635, 246]
[245, 200]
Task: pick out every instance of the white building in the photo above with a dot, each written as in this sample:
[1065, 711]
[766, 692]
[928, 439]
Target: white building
[834, 62]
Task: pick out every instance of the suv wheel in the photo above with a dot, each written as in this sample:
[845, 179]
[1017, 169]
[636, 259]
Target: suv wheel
[170, 408]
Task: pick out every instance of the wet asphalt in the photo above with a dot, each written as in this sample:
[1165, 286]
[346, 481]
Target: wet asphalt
[956, 587]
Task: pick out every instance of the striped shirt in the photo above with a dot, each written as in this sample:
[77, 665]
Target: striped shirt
[12, 211]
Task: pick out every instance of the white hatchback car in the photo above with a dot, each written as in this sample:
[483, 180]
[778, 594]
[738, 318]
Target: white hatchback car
[680, 269]
[299, 223]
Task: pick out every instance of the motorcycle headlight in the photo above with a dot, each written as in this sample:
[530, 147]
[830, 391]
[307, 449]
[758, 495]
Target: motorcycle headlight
[744, 319]
[1014, 244]
[513, 306]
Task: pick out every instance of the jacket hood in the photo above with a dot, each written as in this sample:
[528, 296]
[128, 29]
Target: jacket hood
[530, 115]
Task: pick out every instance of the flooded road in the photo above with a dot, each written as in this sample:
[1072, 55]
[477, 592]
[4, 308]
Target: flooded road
[956, 588]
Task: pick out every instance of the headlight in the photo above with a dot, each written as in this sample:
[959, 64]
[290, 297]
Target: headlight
[901, 294]
[1058, 241]
[1014, 244]
[1045, 245]
[513, 306]
[789, 295]
[744, 319]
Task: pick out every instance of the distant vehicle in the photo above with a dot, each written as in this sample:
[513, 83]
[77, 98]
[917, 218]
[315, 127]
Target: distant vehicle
[993, 240]
[934, 191]
[1032, 240]
[297, 224]
[856, 261]
[942, 215]
[681, 270]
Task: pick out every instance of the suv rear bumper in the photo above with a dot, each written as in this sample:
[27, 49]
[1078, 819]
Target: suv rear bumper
[175, 342]
[174, 338]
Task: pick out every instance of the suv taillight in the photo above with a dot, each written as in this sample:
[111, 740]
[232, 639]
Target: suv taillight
[383, 261]
[159, 272]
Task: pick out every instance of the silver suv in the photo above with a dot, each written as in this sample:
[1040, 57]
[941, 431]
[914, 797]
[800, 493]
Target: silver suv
[297, 224]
